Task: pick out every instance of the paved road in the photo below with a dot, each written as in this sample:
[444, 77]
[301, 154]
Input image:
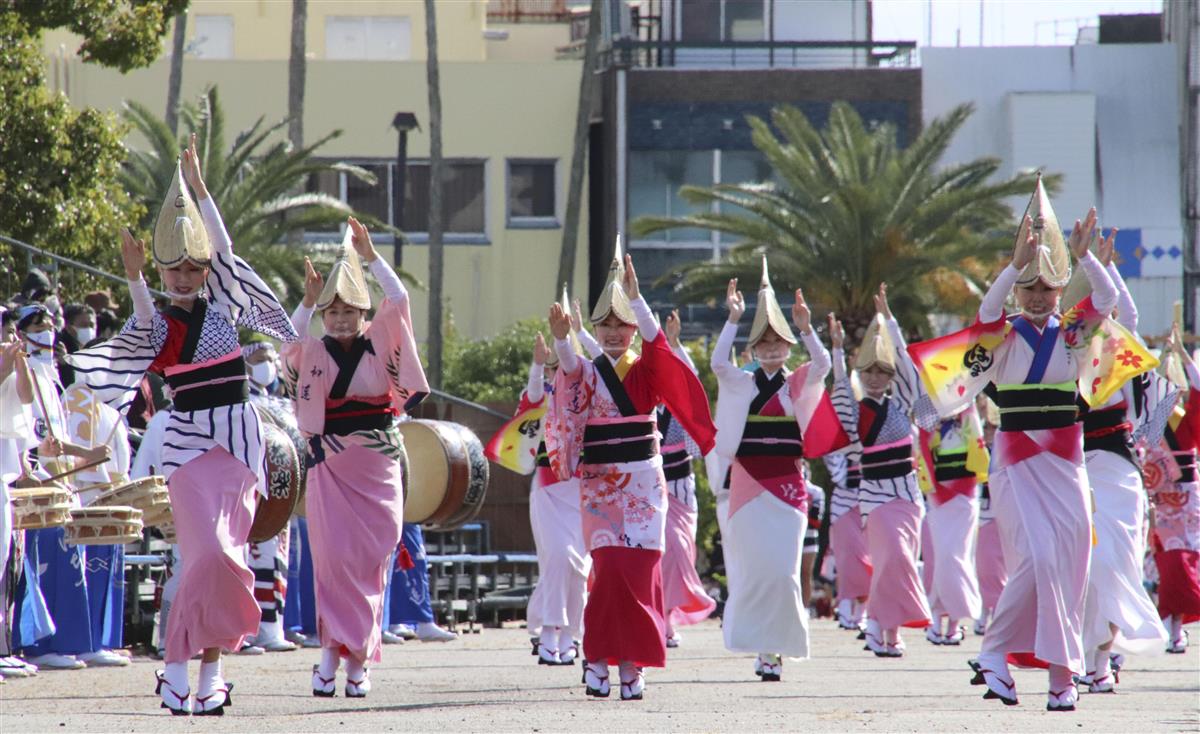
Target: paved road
[489, 682]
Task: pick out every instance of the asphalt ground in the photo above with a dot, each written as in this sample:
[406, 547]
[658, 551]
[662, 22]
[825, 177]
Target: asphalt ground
[489, 682]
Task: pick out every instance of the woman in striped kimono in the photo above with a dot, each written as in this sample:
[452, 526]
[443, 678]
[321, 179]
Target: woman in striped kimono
[349, 387]
[888, 496]
[213, 430]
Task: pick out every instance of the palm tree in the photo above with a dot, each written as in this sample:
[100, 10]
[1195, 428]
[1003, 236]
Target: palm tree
[254, 180]
[848, 209]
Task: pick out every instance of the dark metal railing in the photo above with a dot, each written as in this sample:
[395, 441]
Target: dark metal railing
[668, 54]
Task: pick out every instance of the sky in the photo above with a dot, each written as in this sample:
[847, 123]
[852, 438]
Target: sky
[1005, 22]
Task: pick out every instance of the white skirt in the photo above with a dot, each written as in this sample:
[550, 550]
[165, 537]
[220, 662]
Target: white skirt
[563, 560]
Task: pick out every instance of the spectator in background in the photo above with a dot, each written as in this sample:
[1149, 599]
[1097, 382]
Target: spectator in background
[107, 324]
[78, 332]
[34, 289]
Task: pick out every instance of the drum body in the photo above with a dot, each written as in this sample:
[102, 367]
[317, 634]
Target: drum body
[104, 526]
[37, 508]
[446, 475]
[148, 494]
[283, 485]
[279, 413]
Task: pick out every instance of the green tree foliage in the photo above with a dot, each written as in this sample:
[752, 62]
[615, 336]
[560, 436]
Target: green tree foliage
[59, 186]
[254, 181]
[490, 370]
[124, 34]
[848, 208]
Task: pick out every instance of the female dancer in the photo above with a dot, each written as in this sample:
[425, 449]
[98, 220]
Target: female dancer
[766, 422]
[604, 409]
[888, 495]
[350, 386]
[213, 455]
[1039, 487]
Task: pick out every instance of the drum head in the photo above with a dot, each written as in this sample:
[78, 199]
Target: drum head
[429, 446]
[477, 480]
[283, 485]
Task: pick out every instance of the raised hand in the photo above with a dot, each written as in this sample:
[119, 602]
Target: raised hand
[672, 326]
[313, 284]
[576, 317]
[1107, 248]
[1081, 234]
[190, 162]
[734, 301]
[801, 316]
[560, 322]
[361, 241]
[630, 281]
[133, 255]
[1024, 250]
[541, 352]
[837, 335]
[881, 302]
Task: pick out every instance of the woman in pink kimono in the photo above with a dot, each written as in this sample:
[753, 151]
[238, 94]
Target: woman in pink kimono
[349, 388]
[605, 409]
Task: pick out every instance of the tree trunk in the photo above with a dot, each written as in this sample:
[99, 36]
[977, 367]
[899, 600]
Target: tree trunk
[297, 69]
[570, 236]
[175, 79]
[435, 197]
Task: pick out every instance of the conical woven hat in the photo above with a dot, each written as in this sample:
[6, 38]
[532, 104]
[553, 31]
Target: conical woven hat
[877, 347]
[346, 280]
[612, 298]
[767, 314]
[1052, 261]
[179, 233]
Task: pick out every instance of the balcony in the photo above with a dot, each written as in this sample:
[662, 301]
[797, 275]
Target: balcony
[667, 54]
[528, 11]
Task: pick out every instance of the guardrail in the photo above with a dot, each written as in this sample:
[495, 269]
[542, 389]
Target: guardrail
[40, 252]
[668, 54]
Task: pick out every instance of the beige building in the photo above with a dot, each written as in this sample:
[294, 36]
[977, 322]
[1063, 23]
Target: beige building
[508, 109]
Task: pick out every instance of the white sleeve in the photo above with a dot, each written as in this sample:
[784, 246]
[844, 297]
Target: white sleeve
[568, 360]
[821, 361]
[301, 317]
[839, 364]
[1104, 292]
[1127, 313]
[1193, 374]
[720, 360]
[647, 324]
[535, 389]
[393, 287]
[992, 307]
[143, 304]
[590, 345]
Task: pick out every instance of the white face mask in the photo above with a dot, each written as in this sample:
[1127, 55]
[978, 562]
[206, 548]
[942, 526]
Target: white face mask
[263, 373]
[85, 335]
[43, 339]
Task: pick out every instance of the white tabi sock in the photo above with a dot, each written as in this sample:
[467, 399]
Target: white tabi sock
[330, 660]
[355, 669]
[845, 609]
[210, 679]
[1060, 678]
[566, 644]
[1103, 665]
[549, 639]
[176, 675]
[629, 672]
[1175, 627]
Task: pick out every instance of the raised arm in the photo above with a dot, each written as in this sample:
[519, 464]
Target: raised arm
[842, 396]
[820, 361]
[393, 287]
[672, 326]
[560, 327]
[535, 388]
[1104, 292]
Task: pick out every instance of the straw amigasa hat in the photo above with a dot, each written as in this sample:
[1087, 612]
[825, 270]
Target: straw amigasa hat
[613, 299]
[767, 313]
[346, 280]
[179, 233]
[877, 348]
[1052, 261]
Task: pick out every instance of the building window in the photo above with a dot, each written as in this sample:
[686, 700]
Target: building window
[212, 37]
[722, 20]
[368, 37]
[531, 193]
[464, 201]
[655, 177]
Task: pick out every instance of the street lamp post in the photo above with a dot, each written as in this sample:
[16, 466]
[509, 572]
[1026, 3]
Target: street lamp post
[403, 122]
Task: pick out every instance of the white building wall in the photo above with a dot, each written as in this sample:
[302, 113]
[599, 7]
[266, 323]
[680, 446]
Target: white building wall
[1128, 137]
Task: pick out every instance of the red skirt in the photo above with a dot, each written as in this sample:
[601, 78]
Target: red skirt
[623, 619]
[1179, 583]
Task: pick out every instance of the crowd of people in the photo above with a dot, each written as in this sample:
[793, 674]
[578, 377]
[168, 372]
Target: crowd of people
[1014, 476]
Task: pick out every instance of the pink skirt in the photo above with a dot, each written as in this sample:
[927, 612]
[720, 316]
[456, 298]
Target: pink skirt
[623, 619]
[355, 511]
[212, 499]
[686, 600]
[851, 557]
[989, 564]
[894, 535]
